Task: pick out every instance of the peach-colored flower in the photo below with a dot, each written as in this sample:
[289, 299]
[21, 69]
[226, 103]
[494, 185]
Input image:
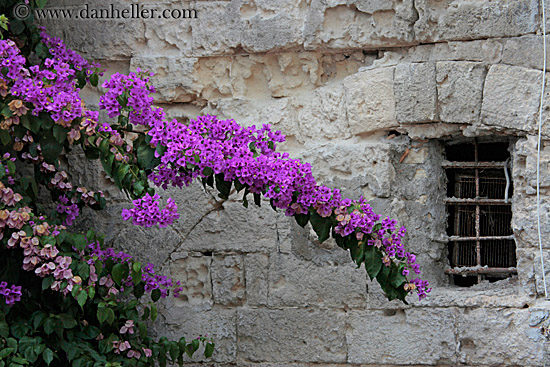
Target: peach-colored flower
[18, 107]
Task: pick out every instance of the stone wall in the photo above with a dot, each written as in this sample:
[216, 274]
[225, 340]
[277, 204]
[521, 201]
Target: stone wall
[367, 91]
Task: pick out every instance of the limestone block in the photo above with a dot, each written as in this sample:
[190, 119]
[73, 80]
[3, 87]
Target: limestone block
[257, 273]
[194, 273]
[370, 100]
[496, 337]
[459, 91]
[526, 269]
[412, 336]
[524, 221]
[172, 36]
[173, 79]
[191, 322]
[112, 38]
[307, 335]
[323, 115]
[487, 51]
[228, 282]
[224, 28]
[415, 92]
[525, 167]
[525, 51]
[368, 160]
[504, 293]
[298, 283]
[466, 20]
[280, 31]
[232, 227]
[511, 97]
[359, 24]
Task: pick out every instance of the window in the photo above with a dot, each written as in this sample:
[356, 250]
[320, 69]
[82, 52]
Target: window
[479, 212]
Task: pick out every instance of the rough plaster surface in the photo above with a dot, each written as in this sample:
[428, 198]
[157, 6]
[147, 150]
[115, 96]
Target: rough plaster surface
[367, 91]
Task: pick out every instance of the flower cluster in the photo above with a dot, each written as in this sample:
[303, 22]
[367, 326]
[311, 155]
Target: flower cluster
[71, 211]
[12, 60]
[132, 91]
[51, 89]
[61, 53]
[150, 278]
[11, 294]
[146, 212]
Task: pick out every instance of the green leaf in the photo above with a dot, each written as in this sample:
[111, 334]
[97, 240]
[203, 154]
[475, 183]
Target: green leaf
[16, 26]
[196, 344]
[19, 330]
[12, 343]
[104, 146]
[119, 272]
[51, 149]
[80, 242]
[138, 188]
[145, 156]
[105, 314]
[67, 321]
[321, 226]
[383, 275]
[47, 356]
[121, 172]
[207, 171]
[155, 295]
[6, 352]
[189, 350]
[146, 313]
[302, 219]
[107, 163]
[139, 290]
[224, 187]
[4, 329]
[209, 350]
[59, 133]
[94, 79]
[5, 137]
[373, 261]
[41, 49]
[154, 312]
[142, 329]
[49, 325]
[91, 292]
[47, 282]
[38, 318]
[83, 270]
[174, 351]
[81, 298]
[258, 200]
[11, 167]
[41, 3]
[31, 355]
[89, 332]
[397, 277]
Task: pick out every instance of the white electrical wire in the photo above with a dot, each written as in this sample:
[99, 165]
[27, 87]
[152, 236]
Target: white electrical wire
[539, 144]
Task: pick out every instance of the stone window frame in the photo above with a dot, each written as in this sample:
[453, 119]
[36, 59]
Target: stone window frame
[477, 271]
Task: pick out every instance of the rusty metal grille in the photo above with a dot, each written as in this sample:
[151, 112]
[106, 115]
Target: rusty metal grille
[481, 243]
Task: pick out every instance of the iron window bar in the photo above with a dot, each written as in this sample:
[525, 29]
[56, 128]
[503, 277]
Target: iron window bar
[468, 240]
[484, 238]
[477, 271]
[476, 201]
